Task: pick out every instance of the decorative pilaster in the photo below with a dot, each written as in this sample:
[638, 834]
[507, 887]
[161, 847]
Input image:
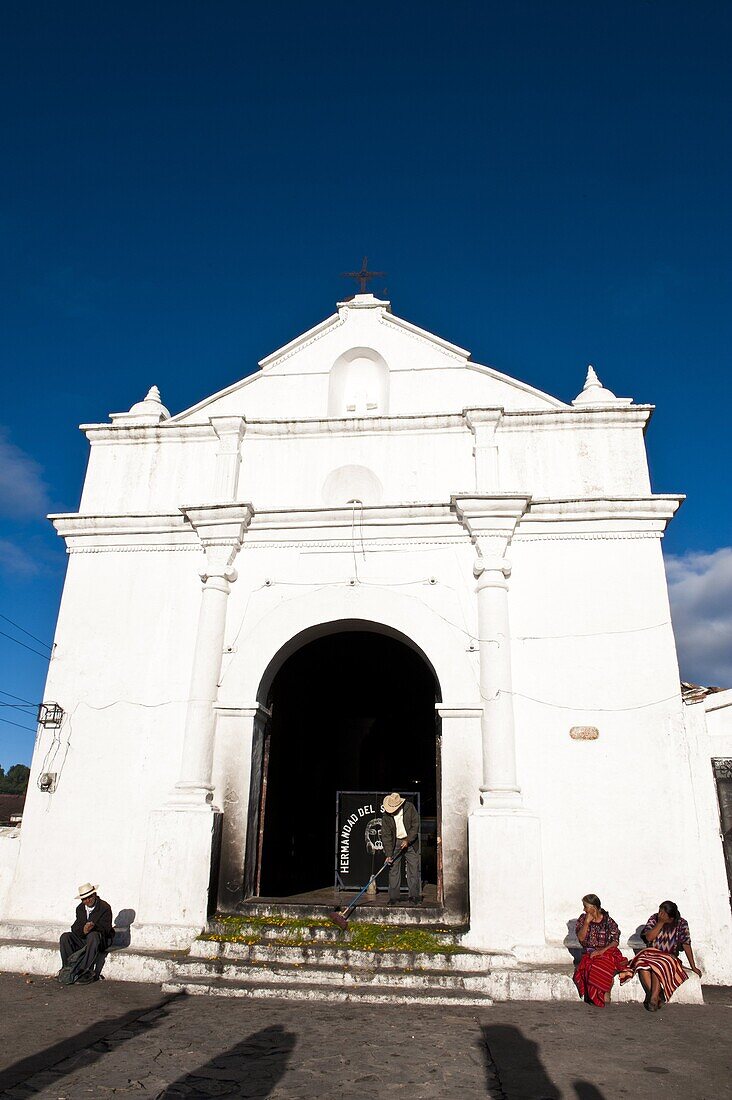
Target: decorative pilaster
[221, 530]
[483, 424]
[504, 838]
[490, 521]
[230, 432]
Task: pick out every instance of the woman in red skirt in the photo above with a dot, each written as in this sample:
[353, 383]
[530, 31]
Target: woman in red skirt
[601, 960]
[658, 966]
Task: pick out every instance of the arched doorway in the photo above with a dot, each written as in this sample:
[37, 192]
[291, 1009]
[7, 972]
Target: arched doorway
[352, 709]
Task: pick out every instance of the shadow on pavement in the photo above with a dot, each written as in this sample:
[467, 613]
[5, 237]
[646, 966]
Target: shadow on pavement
[515, 1059]
[82, 1042]
[256, 1064]
[586, 1091]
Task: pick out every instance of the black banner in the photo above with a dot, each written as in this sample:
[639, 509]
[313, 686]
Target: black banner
[359, 851]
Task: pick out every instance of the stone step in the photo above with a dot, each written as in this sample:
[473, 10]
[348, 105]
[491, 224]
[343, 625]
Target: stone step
[521, 982]
[340, 975]
[541, 982]
[369, 914]
[265, 929]
[123, 964]
[309, 991]
[327, 954]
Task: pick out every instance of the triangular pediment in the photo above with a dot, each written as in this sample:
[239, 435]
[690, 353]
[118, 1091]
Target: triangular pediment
[424, 373]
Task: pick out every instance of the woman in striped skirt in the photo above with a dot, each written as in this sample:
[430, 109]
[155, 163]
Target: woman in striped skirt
[658, 966]
[601, 960]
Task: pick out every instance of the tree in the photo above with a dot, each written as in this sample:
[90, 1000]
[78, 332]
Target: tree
[15, 781]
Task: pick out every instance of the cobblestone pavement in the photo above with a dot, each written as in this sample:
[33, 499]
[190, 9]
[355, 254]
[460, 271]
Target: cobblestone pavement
[120, 1039]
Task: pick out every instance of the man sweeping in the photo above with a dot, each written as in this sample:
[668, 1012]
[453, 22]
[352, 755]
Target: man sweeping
[92, 932]
[400, 838]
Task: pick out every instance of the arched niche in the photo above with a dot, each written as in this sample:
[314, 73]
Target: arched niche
[352, 483]
[359, 384]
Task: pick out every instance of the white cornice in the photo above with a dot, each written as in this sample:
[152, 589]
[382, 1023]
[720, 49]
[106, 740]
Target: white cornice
[391, 321]
[623, 416]
[166, 432]
[305, 338]
[658, 506]
[358, 425]
[562, 419]
[553, 403]
[386, 524]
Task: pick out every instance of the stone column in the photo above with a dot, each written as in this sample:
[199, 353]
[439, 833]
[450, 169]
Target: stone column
[504, 840]
[490, 522]
[498, 736]
[194, 787]
[181, 853]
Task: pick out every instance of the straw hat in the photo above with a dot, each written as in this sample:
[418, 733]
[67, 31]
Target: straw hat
[86, 890]
[392, 802]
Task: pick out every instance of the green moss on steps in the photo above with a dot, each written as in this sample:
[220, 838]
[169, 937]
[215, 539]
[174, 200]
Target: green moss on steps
[359, 937]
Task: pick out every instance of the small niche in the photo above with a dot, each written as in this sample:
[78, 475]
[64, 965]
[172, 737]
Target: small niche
[359, 384]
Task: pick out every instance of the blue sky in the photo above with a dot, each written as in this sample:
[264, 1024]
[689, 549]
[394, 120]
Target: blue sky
[547, 184]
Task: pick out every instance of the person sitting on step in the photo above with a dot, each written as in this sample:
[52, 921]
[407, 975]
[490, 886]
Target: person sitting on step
[658, 965]
[400, 839]
[601, 959]
[92, 930]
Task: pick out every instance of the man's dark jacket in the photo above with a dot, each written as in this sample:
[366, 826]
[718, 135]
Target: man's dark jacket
[388, 828]
[100, 917]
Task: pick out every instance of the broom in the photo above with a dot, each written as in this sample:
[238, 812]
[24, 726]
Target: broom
[339, 917]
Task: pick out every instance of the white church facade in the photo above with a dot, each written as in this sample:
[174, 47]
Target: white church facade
[372, 565]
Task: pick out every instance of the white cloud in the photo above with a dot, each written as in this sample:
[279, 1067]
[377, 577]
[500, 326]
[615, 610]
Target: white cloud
[23, 491]
[700, 590]
[15, 561]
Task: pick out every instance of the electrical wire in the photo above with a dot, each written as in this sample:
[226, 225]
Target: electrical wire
[45, 656]
[592, 709]
[24, 631]
[18, 697]
[9, 723]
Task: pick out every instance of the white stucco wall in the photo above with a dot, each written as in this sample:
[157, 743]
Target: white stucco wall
[630, 815]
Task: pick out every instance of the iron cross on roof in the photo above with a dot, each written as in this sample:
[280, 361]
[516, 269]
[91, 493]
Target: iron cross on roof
[363, 275]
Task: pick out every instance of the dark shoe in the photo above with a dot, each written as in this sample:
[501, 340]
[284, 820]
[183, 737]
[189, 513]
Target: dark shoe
[416, 901]
[86, 978]
[390, 902]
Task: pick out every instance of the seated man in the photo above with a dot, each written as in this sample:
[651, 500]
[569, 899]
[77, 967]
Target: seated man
[91, 930]
[400, 838]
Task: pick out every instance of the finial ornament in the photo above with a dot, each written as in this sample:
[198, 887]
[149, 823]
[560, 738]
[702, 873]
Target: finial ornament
[150, 410]
[593, 391]
[591, 379]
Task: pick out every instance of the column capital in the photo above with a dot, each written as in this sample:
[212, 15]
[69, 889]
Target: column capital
[488, 419]
[217, 524]
[486, 513]
[490, 520]
[221, 529]
[229, 429]
[491, 571]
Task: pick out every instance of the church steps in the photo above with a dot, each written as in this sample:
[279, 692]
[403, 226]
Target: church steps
[321, 933]
[379, 979]
[422, 915]
[328, 954]
[334, 974]
[306, 991]
[122, 964]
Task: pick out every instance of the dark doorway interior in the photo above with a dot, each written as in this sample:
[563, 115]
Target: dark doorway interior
[350, 711]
